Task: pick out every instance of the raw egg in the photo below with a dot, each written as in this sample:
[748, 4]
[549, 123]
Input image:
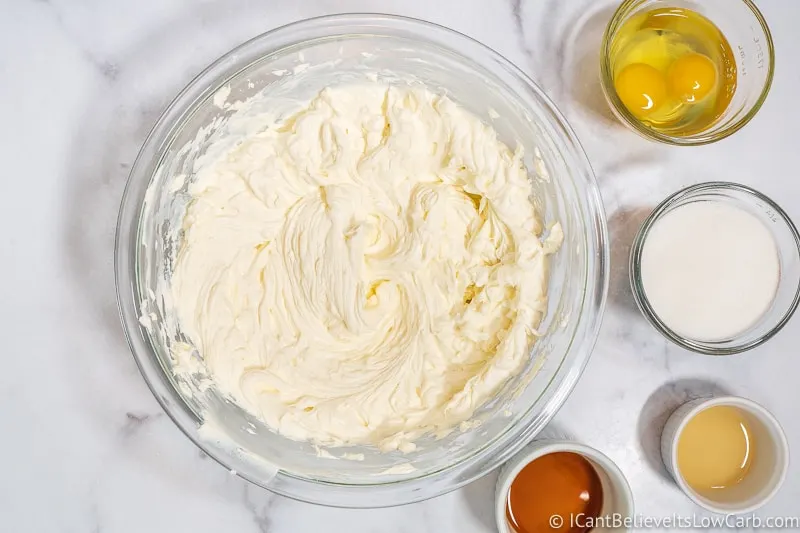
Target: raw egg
[692, 77]
[641, 88]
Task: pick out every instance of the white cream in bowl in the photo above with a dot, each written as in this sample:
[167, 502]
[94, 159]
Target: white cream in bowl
[365, 270]
[710, 270]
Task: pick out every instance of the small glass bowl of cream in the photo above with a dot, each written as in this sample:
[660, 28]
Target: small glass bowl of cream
[716, 268]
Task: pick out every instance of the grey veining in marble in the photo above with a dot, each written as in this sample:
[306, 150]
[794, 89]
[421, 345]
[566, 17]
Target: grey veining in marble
[87, 449]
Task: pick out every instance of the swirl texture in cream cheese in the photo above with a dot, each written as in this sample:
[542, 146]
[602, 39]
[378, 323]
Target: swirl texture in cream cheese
[366, 271]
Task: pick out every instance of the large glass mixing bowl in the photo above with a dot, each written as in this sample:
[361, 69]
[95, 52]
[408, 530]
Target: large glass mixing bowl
[298, 60]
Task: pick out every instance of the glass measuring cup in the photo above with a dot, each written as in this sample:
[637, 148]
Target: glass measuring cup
[743, 26]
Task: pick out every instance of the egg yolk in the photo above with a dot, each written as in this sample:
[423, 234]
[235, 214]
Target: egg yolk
[641, 88]
[691, 77]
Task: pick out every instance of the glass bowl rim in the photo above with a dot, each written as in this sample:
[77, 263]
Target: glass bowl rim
[152, 151]
[637, 287]
[698, 139]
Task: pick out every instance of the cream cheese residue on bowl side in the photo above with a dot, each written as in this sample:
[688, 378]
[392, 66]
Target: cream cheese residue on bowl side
[366, 270]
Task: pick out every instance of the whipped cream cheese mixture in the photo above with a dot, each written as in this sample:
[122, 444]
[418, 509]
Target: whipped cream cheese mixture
[367, 271]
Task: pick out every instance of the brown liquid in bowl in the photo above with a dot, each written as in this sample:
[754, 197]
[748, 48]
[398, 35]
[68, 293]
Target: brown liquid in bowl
[562, 484]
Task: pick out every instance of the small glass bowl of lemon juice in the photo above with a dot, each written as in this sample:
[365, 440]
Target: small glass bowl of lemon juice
[687, 72]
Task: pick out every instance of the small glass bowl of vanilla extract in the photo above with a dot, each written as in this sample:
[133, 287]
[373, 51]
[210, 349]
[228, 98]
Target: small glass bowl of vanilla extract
[686, 72]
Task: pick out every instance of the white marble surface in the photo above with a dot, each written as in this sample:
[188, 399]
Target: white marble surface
[86, 448]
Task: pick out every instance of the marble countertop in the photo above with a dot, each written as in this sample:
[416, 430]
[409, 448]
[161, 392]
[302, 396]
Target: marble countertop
[87, 449]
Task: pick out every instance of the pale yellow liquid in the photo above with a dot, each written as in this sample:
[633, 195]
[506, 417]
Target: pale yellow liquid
[715, 449]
